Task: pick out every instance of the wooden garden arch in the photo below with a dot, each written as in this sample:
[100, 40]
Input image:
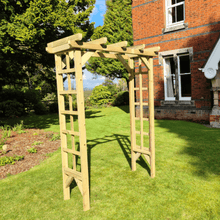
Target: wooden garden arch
[70, 48]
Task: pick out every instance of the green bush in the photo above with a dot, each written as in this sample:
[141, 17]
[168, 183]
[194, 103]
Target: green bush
[11, 108]
[31, 98]
[40, 109]
[100, 95]
[53, 107]
[27, 98]
[122, 98]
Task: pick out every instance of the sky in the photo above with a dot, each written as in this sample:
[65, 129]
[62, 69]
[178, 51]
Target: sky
[97, 16]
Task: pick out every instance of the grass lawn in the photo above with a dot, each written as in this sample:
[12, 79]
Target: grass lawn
[186, 186]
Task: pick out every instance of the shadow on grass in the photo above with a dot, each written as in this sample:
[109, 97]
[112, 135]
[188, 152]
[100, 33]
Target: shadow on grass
[124, 143]
[43, 121]
[124, 108]
[203, 145]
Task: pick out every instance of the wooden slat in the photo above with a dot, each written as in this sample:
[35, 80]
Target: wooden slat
[132, 113]
[102, 40]
[145, 119]
[138, 103]
[109, 48]
[144, 89]
[145, 61]
[79, 184]
[149, 50]
[144, 133]
[70, 132]
[151, 117]
[123, 61]
[147, 157]
[141, 105]
[67, 92]
[69, 181]
[143, 151]
[60, 42]
[69, 112]
[73, 173]
[137, 155]
[139, 47]
[119, 44]
[62, 119]
[108, 55]
[71, 70]
[86, 56]
[82, 130]
[71, 151]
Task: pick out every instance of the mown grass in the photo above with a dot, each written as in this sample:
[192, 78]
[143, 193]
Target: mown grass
[186, 186]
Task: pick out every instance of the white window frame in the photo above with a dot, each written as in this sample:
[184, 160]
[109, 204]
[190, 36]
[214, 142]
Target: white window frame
[179, 78]
[169, 16]
[165, 81]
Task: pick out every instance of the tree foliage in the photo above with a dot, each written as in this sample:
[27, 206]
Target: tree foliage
[117, 27]
[26, 26]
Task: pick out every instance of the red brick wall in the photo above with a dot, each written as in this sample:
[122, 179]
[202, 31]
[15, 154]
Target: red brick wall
[203, 18]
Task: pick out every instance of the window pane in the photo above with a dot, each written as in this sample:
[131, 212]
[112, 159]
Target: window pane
[180, 1]
[184, 64]
[180, 16]
[173, 14]
[186, 85]
[170, 77]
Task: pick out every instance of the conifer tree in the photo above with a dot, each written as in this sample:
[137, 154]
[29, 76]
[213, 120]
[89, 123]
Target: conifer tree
[117, 27]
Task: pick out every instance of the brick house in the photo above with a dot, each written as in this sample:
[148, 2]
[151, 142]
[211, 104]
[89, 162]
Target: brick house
[187, 70]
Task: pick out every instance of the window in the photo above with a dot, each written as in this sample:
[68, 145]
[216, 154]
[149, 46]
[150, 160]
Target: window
[177, 77]
[175, 12]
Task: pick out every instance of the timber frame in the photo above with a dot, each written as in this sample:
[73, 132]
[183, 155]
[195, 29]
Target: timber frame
[71, 48]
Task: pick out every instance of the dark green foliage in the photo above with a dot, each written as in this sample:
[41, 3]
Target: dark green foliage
[25, 29]
[11, 108]
[40, 108]
[16, 102]
[10, 160]
[117, 27]
[122, 98]
[53, 107]
[100, 95]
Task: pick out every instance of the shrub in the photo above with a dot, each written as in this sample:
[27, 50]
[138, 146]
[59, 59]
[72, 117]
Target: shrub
[37, 143]
[122, 98]
[11, 108]
[32, 150]
[53, 107]
[100, 95]
[27, 99]
[31, 98]
[9, 160]
[55, 137]
[40, 109]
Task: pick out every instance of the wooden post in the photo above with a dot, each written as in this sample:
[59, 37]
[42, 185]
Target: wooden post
[82, 130]
[62, 119]
[151, 117]
[132, 113]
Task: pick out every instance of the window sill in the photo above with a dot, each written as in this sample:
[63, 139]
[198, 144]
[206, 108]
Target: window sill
[178, 103]
[175, 28]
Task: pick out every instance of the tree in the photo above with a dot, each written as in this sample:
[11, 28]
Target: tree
[117, 27]
[26, 26]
